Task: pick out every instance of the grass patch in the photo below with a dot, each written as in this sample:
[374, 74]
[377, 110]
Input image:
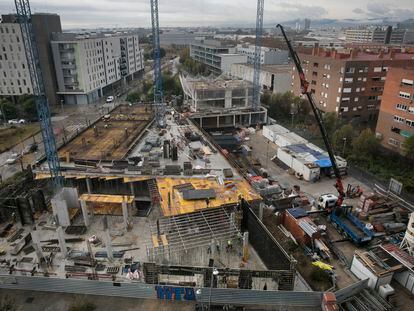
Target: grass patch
[14, 135]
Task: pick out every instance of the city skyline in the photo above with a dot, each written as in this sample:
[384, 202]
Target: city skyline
[136, 13]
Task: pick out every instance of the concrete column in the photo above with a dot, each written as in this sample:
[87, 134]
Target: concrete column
[89, 246]
[246, 100]
[131, 185]
[234, 120]
[250, 119]
[218, 122]
[213, 248]
[125, 214]
[201, 122]
[85, 213]
[62, 242]
[88, 185]
[261, 207]
[227, 99]
[108, 243]
[245, 246]
[37, 246]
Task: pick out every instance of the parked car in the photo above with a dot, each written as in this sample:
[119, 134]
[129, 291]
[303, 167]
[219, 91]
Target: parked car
[17, 121]
[109, 99]
[13, 158]
[30, 148]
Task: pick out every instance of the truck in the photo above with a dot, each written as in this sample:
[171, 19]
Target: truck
[350, 226]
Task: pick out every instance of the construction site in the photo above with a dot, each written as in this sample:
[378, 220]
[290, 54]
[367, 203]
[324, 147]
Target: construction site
[203, 203]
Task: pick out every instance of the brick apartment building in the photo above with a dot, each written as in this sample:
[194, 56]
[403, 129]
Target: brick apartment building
[350, 83]
[396, 116]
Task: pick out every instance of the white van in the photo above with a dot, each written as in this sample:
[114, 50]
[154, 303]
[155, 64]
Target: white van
[327, 200]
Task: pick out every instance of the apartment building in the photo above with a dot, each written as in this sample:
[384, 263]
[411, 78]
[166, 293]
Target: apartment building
[14, 72]
[88, 66]
[396, 117]
[216, 55]
[385, 35]
[268, 56]
[349, 83]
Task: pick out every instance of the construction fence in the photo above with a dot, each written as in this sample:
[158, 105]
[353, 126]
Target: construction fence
[164, 292]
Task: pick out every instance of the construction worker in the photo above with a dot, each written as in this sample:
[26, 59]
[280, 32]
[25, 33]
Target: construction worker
[229, 246]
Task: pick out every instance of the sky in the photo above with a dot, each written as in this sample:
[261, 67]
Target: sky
[136, 13]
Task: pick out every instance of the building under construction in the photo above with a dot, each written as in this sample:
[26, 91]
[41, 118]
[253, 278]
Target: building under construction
[221, 102]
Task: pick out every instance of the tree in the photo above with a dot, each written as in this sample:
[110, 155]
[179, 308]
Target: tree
[133, 97]
[343, 136]
[9, 109]
[408, 147]
[365, 146]
[29, 108]
[184, 54]
[266, 98]
[330, 120]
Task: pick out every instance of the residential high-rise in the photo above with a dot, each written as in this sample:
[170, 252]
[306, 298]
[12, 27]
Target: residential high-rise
[14, 72]
[88, 66]
[349, 83]
[396, 116]
[385, 35]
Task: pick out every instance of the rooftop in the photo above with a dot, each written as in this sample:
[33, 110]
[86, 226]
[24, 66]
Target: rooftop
[203, 83]
[358, 55]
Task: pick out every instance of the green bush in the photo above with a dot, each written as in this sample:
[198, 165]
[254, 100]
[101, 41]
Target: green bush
[82, 306]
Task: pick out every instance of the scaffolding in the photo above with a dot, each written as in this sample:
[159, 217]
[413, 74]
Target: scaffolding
[182, 233]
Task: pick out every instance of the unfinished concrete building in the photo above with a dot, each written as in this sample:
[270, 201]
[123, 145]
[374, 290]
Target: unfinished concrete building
[221, 102]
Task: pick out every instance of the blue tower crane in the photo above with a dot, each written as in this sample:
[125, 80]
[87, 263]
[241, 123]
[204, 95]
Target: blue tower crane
[24, 16]
[158, 91]
[257, 52]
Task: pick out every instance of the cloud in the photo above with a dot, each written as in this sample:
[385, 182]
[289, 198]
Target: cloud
[388, 11]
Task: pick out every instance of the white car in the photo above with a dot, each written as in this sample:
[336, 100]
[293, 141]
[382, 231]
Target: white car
[13, 158]
[17, 121]
[109, 99]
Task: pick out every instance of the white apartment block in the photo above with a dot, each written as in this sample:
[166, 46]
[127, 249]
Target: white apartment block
[386, 35]
[88, 65]
[268, 56]
[14, 72]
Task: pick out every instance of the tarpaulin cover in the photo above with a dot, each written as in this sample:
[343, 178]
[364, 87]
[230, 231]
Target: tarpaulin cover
[324, 163]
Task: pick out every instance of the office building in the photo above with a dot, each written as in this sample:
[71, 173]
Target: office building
[217, 56]
[396, 116]
[274, 78]
[14, 72]
[349, 83]
[307, 23]
[268, 56]
[89, 66]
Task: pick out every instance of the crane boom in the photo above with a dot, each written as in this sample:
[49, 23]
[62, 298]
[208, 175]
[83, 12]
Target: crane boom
[304, 84]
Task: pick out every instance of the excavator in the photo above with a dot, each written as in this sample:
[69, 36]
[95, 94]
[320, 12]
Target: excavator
[304, 84]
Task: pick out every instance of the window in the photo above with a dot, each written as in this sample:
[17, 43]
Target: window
[346, 99]
[394, 142]
[399, 119]
[395, 129]
[349, 80]
[315, 65]
[347, 90]
[411, 110]
[356, 99]
[358, 89]
[404, 95]
[350, 70]
[344, 109]
[370, 107]
[377, 69]
[401, 107]
[410, 123]
[376, 79]
[407, 82]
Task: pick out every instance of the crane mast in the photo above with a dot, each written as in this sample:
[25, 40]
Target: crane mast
[158, 91]
[304, 84]
[24, 16]
[257, 52]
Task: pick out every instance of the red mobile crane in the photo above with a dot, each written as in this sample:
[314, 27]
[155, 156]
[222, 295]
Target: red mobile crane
[304, 84]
